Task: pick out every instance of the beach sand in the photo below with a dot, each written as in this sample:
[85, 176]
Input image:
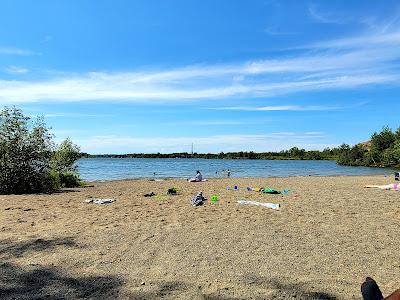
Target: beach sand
[328, 236]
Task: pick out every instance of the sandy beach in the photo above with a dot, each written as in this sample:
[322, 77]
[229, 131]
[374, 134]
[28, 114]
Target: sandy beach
[329, 234]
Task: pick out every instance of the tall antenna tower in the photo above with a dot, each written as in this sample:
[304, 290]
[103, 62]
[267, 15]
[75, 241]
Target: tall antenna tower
[192, 148]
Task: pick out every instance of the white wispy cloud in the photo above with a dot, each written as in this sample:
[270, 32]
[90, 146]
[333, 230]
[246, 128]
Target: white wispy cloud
[16, 70]
[326, 17]
[278, 108]
[215, 143]
[88, 88]
[70, 115]
[208, 122]
[385, 43]
[17, 51]
[335, 64]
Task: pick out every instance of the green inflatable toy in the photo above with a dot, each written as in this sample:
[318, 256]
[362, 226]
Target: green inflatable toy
[270, 191]
[214, 198]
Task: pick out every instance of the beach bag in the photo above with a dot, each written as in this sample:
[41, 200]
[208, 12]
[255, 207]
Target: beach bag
[171, 191]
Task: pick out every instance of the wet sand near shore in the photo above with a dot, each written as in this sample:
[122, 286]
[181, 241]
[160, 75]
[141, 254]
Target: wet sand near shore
[329, 234]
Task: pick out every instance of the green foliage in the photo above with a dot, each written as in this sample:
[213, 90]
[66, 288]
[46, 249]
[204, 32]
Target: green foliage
[384, 151]
[383, 140]
[62, 163]
[25, 154]
[292, 154]
[65, 156]
[351, 156]
[70, 179]
[29, 162]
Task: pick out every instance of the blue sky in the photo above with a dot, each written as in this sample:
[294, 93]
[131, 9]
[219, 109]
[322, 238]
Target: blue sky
[156, 76]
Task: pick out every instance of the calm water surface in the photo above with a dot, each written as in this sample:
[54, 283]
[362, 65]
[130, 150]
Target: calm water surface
[125, 168]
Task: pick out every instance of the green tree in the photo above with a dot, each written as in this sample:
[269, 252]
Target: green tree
[398, 134]
[383, 140]
[379, 143]
[62, 164]
[29, 160]
[25, 154]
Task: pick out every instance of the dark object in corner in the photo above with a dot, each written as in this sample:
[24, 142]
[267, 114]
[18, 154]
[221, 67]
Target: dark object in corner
[370, 290]
[397, 176]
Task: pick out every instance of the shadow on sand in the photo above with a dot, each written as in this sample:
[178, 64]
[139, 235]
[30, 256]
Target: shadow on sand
[10, 249]
[44, 282]
[52, 282]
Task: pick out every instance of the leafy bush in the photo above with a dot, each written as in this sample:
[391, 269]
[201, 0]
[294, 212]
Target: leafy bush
[384, 151]
[29, 162]
[25, 154]
[383, 140]
[63, 164]
[69, 179]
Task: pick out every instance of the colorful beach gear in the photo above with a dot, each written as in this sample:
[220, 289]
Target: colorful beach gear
[270, 191]
[198, 199]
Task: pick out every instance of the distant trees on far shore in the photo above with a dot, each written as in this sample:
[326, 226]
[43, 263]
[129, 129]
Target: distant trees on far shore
[291, 154]
[383, 150]
[30, 162]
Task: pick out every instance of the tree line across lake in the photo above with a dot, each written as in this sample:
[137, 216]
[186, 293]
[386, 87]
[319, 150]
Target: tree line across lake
[383, 150]
[293, 153]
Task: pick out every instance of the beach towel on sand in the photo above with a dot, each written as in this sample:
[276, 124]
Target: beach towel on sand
[198, 199]
[270, 191]
[392, 186]
[194, 180]
[269, 205]
[100, 201]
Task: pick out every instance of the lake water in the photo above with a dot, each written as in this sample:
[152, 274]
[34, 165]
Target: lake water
[124, 168]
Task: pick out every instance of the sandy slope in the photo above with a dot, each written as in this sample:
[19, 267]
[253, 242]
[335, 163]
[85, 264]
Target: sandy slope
[329, 235]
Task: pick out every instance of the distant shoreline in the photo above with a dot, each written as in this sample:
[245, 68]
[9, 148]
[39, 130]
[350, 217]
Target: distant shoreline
[293, 153]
